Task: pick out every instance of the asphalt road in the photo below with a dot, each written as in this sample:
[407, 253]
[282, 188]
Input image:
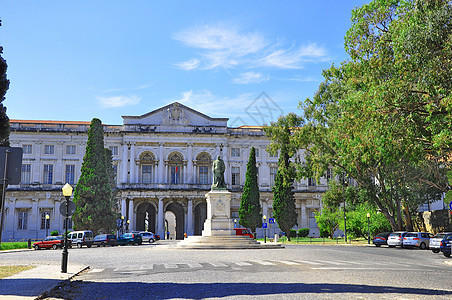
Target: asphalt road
[296, 272]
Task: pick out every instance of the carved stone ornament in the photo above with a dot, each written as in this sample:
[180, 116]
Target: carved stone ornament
[175, 115]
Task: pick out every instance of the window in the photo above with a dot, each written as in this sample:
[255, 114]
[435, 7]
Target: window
[146, 172]
[69, 222]
[22, 220]
[175, 174]
[48, 174]
[114, 150]
[45, 223]
[312, 222]
[70, 174]
[70, 149]
[115, 171]
[311, 181]
[235, 175]
[235, 152]
[49, 149]
[273, 171]
[257, 151]
[27, 149]
[329, 174]
[26, 174]
[203, 174]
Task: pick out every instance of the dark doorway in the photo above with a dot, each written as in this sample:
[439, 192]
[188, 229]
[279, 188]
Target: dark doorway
[200, 217]
[146, 217]
[178, 211]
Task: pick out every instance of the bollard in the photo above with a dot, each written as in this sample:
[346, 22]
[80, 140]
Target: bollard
[276, 238]
[29, 243]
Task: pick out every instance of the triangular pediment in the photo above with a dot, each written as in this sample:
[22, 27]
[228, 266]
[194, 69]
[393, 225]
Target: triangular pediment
[175, 114]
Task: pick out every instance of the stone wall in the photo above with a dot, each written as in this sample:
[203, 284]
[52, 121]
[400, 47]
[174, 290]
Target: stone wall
[437, 221]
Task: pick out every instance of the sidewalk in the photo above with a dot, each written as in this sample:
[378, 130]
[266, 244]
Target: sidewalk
[33, 283]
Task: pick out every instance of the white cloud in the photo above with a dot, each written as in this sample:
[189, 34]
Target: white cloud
[251, 77]
[227, 47]
[118, 101]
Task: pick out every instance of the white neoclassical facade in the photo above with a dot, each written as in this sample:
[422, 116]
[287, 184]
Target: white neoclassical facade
[162, 161]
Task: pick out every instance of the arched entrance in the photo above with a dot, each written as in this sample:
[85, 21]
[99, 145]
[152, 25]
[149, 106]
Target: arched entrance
[200, 217]
[178, 212]
[146, 217]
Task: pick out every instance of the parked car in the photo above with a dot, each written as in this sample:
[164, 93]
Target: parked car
[82, 238]
[381, 239]
[53, 242]
[104, 240]
[148, 236]
[435, 241]
[396, 238]
[130, 239]
[244, 231]
[445, 246]
[420, 240]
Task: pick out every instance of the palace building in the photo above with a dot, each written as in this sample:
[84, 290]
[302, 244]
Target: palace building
[163, 164]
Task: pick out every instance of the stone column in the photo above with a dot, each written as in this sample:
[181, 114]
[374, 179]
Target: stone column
[124, 208]
[131, 216]
[304, 217]
[190, 171]
[132, 164]
[161, 175]
[124, 163]
[10, 218]
[59, 171]
[190, 230]
[35, 218]
[37, 165]
[161, 216]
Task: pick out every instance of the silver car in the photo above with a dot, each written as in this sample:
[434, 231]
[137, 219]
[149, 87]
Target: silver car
[396, 238]
[436, 240]
[417, 239]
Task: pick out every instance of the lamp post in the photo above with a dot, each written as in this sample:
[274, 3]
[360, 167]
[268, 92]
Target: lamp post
[127, 225]
[235, 223]
[122, 224]
[368, 228]
[47, 224]
[265, 233]
[67, 193]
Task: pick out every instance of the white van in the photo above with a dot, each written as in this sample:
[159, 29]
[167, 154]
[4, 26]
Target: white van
[81, 238]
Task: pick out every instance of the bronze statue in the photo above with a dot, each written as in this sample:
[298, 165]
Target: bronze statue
[218, 168]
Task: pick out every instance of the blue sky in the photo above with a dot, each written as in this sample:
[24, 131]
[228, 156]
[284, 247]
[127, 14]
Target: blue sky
[248, 61]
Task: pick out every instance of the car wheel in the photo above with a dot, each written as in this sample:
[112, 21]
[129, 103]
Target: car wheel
[103, 244]
[151, 241]
[391, 246]
[377, 245]
[422, 246]
[79, 245]
[89, 245]
[446, 254]
[435, 251]
[36, 247]
[54, 247]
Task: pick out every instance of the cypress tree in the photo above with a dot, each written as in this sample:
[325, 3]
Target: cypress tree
[4, 85]
[250, 207]
[94, 194]
[283, 195]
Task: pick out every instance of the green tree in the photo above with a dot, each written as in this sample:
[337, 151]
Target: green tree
[4, 85]
[328, 221]
[250, 207]
[95, 194]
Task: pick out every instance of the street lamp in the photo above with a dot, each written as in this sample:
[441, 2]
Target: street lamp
[127, 225]
[368, 228]
[47, 224]
[122, 224]
[265, 233]
[67, 192]
[235, 223]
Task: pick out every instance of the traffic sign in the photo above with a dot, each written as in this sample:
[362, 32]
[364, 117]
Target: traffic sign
[264, 225]
[450, 205]
[71, 208]
[271, 220]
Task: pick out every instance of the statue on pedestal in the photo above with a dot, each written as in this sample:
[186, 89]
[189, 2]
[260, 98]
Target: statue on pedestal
[218, 168]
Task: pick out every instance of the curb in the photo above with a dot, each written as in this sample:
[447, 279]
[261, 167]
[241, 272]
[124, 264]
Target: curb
[61, 283]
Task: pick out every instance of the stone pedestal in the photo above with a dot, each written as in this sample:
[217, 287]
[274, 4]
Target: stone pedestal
[218, 222]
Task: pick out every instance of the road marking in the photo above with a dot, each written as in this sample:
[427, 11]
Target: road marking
[243, 264]
[289, 262]
[195, 265]
[96, 270]
[147, 267]
[335, 263]
[218, 264]
[262, 262]
[125, 268]
[170, 266]
[308, 262]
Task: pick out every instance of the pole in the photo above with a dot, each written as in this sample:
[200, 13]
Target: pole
[5, 179]
[345, 224]
[265, 236]
[368, 230]
[65, 252]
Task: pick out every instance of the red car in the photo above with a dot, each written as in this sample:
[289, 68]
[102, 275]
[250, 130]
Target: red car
[53, 242]
[244, 231]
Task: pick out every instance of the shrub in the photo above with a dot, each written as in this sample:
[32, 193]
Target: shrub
[324, 233]
[303, 232]
[54, 233]
[293, 233]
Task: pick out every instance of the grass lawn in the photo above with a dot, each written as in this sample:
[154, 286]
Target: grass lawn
[6, 271]
[319, 241]
[13, 245]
